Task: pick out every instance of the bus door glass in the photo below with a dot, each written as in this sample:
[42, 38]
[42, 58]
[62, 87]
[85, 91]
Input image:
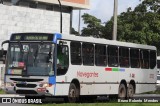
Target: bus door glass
[62, 59]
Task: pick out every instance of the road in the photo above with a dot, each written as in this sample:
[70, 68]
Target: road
[143, 97]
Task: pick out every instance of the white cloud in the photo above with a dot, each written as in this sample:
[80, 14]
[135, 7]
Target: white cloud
[103, 9]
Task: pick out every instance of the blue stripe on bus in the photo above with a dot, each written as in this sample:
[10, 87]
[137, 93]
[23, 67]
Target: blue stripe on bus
[121, 69]
[56, 37]
[52, 80]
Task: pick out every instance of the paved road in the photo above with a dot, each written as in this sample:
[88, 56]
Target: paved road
[142, 97]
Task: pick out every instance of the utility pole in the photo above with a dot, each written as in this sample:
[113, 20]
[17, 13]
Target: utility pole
[60, 9]
[79, 24]
[115, 20]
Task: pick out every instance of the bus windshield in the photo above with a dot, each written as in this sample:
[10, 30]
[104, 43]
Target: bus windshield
[30, 59]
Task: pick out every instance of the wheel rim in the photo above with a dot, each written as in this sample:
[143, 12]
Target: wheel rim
[122, 92]
[72, 95]
[130, 91]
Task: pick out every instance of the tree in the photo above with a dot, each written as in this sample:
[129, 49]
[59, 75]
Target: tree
[73, 31]
[142, 25]
[94, 27]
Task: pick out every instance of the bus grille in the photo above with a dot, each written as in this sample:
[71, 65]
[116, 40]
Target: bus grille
[26, 92]
[26, 85]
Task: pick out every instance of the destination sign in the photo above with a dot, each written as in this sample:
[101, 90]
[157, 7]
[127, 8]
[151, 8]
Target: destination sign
[32, 37]
[35, 38]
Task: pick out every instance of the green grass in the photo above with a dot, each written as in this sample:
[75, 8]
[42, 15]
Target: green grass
[2, 91]
[153, 92]
[102, 104]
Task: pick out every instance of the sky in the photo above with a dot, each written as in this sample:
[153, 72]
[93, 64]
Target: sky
[103, 9]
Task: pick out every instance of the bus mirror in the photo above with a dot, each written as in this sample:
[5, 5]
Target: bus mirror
[1, 53]
[6, 41]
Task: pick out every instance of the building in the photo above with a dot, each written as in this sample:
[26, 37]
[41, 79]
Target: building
[18, 16]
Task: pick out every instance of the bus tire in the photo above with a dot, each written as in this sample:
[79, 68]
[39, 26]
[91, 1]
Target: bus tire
[122, 92]
[130, 91]
[73, 95]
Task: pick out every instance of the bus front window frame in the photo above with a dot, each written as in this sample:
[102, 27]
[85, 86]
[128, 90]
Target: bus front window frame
[24, 68]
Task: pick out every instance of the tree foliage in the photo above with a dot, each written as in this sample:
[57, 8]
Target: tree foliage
[140, 25]
[94, 27]
[73, 31]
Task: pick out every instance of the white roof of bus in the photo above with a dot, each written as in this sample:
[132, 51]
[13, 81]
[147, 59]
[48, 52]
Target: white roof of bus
[105, 41]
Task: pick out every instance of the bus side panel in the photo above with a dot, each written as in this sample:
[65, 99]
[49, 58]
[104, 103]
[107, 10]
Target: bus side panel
[141, 88]
[103, 89]
[61, 89]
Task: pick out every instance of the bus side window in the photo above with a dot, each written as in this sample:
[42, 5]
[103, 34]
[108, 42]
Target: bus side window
[124, 57]
[152, 59]
[76, 58]
[100, 55]
[144, 57]
[134, 58]
[88, 54]
[112, 56]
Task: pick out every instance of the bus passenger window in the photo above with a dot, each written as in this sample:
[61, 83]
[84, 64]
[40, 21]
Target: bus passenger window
[144, 59]
[100, 55]
[124, 57]
[134, 58]
[88, 54]
[76, 53]
[152, 59]
[112, 56]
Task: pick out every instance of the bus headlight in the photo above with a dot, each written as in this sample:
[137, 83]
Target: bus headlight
[44, 85]
[9, 84]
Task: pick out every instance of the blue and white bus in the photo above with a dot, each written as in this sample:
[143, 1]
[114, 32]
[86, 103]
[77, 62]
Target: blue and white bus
[73, 66]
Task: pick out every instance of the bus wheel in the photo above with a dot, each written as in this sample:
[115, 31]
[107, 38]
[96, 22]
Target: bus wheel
[130, 91]
[122, 91]
[73, 95]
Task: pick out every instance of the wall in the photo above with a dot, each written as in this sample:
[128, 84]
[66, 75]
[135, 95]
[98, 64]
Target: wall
[15, 19]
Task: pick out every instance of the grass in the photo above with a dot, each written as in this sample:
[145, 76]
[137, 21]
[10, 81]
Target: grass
[2, 91]
[153, 92]
[102, 104]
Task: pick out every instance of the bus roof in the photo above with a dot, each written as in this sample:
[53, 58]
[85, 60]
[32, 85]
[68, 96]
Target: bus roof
[107, 42]
[91, 40]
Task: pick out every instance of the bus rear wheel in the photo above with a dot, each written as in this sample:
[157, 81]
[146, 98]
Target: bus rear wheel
[130, 91]
[73, 95]
[122, 91]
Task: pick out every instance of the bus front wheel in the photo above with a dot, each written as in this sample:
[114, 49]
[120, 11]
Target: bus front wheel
[73, 95]
[122, 91]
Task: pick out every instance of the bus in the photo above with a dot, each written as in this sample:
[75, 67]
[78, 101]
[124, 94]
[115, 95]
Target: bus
[158, 64]
[70, 66]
